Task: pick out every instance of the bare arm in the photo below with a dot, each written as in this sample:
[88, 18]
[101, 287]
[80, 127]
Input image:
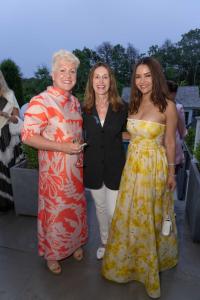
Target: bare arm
[170, 142]
[39, 142]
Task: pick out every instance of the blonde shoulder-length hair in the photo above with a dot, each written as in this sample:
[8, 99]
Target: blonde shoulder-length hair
[113, 95]
[65, 55]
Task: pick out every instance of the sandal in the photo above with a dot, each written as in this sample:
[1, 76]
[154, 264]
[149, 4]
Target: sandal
[100, 252]
[78, 254]
[54, 267]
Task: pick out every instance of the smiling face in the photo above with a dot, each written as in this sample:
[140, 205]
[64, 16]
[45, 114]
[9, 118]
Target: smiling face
[101, 81]
[64, 75]
[143, 79]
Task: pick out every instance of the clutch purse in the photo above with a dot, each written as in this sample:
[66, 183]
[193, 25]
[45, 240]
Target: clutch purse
[167, 226]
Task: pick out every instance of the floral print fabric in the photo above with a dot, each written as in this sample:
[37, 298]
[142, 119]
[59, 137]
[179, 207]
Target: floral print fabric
[136, 248]
[62, 225]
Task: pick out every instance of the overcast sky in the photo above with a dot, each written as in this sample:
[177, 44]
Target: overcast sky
[31, 30]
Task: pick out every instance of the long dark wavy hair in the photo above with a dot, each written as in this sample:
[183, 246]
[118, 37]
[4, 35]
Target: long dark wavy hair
[160, 92]
[113, 95]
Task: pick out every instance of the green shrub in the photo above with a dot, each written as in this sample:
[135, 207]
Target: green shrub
[189, 139]
[31, 155]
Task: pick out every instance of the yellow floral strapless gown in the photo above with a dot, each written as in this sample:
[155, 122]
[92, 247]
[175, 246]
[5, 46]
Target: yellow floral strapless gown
[136, 248]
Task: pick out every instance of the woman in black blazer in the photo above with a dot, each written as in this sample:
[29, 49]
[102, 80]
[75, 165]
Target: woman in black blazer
[104, 121]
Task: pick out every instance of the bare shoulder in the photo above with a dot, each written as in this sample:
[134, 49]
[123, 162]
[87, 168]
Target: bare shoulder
[171, 104]
[171, 114]
[171, 107]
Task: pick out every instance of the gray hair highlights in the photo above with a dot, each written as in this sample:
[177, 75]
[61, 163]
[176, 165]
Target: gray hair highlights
[66, 56]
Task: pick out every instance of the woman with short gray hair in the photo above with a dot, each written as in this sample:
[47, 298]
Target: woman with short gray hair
[53, 125]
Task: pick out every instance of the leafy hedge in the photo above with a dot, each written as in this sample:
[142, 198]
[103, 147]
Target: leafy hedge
[31, 155]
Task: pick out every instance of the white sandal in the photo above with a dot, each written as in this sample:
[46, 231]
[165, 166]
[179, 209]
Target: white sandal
[100, 252]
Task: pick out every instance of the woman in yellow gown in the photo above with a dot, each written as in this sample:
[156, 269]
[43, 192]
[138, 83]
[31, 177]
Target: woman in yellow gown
[136, 248]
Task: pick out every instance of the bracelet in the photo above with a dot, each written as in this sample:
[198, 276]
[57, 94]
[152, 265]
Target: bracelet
[169, 174]
[171, 164]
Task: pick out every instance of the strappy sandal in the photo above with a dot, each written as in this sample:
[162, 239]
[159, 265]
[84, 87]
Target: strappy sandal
[78, 254]
[54, 267]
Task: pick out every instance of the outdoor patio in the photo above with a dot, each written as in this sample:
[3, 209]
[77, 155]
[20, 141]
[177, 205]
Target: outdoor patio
[24, 276]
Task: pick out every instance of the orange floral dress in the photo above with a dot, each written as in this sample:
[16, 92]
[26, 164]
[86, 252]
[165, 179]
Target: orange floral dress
[62, 224]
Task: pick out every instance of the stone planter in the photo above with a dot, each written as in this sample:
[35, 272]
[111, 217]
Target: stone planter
[193, 201]
[25, 189]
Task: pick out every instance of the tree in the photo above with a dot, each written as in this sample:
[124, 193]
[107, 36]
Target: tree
[37, 84]
[190, 55]
[13, 78]
[132, 56]
[43, 78]
[120, 60]
[105, 52]
[87, 59]
[168, 56]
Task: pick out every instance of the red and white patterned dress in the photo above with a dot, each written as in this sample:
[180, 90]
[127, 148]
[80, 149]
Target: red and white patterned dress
[62, 223]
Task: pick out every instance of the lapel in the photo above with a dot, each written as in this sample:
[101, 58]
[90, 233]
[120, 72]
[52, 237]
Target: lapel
[107, 118]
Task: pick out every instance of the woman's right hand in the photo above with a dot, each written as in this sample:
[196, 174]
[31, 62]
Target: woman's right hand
[13, 119]
[171, 182]
[71, 148]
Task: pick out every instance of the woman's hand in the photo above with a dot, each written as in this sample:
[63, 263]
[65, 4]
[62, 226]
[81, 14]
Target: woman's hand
[13, 119]
[171, 182]
[71, 148]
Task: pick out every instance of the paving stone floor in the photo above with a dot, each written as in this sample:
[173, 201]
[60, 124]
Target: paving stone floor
[23, 275]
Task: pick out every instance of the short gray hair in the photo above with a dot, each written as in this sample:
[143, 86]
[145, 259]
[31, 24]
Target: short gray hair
[66, 56]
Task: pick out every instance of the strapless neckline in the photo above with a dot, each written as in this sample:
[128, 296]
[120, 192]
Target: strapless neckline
[140, 120]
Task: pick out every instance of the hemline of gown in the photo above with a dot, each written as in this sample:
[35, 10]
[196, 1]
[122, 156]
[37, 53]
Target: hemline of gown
[63, 256]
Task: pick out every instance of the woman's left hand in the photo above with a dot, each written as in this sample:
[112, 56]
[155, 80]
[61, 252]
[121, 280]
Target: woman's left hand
[171, 182]
[13, 119]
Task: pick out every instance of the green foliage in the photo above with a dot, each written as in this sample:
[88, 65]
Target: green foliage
[31, 155]
[39, 83]
[87, 59]
[13, 78]
[120, 59]
[183, 83]
[180, 62]
[197, 152]
[189, 58]
[43, 79]
[79, 96]
[29, 88]
[190, 138]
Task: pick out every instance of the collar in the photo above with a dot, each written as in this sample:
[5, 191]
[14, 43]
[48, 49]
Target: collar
[58, 92]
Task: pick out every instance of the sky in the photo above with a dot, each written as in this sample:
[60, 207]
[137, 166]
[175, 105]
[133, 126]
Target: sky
[32, 30]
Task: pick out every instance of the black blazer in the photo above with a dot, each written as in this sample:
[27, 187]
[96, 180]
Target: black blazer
[104, 157]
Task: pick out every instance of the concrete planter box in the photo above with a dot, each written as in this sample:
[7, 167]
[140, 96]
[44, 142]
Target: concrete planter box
[193, 201]
[25, 189]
